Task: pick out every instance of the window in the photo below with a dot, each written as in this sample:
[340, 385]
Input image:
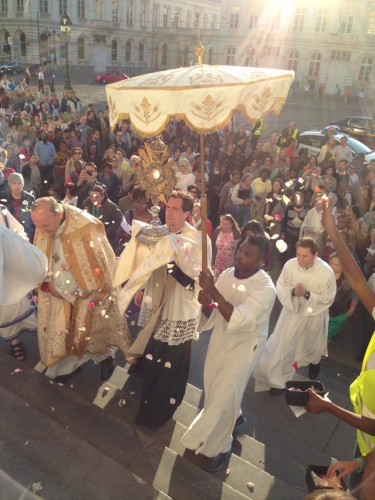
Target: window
[155, 15]
[197, 19]
[100, 39]
[314, 67]
[365, 69]
[231, 52]
[20, 6]
[114, 50]
[371, 23]
[164, 54]
[81, 8]
[63, 7]
[254, 17]
[271, 51]
[293, 60]
[234, 17]
[129, 12]
[143, 14]
[299, 19]
[176, 18]
[347, 21]
[128, 51]
[141, 52]
[44, 45]
[204, 21]
[275, 22]
[165, 17]
[43, 6]
[341, 55]
[4, 5]
[213, 21]
[321, 21]
[115, 11]
[211, 56]
[250, 53]
[80, 47]
[22, 44]
[188, 18]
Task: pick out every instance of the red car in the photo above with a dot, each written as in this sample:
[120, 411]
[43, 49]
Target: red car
[112, 76]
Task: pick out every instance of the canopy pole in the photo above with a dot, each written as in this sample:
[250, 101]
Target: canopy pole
[203, 202]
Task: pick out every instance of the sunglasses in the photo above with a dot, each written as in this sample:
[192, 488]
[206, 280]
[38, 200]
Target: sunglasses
[77, 153]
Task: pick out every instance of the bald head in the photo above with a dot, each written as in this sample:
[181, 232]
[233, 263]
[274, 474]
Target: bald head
[47, 214]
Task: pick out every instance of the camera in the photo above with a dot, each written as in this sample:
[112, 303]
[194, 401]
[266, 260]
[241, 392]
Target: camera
[88, 172]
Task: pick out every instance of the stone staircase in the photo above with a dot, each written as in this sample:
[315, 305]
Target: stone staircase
[56, 438]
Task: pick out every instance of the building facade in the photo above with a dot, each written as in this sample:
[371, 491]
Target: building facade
[329, 43]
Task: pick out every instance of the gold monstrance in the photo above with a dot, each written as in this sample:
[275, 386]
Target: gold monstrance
[155, 175]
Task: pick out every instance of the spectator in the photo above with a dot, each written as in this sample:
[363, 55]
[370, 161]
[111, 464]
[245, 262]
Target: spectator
[184, 177]
[242, 197]
[343, 151]
[110, 180]
[223, 249]
[18, 202]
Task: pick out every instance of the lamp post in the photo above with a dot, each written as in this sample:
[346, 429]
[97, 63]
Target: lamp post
[66, 27]
[54, 46]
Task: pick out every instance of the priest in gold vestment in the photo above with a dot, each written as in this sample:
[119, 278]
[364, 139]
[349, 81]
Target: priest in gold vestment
[78, 316]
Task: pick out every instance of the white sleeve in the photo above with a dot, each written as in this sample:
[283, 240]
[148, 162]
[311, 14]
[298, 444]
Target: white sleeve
[234, 197]
[22, 267]
[371, 282]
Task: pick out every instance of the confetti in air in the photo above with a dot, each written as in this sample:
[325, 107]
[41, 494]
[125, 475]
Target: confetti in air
[275, 236]
[278, 217]
[149, 356]
[91, 304]
[241, 288]
[309, 310]
[147, 299]
[168, 365]
[172, 401]
[103, 313]
[91, 244]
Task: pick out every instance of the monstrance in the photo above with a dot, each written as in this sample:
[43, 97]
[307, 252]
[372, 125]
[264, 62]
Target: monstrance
[155, 175]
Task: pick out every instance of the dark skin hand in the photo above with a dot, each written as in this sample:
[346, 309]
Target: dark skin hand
[207, 283]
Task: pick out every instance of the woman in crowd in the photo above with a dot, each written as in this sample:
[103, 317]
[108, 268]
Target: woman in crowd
[345, 301]
[226, 193]
[295, 214]
[327, 151]
[92, 156]
[282, 154]
[261, 186]
[275, 207]
[291, 150]
[312, 163]
[32, 172]
[10, 140]
[223, 249]
[64, 102]
[329, 182]
[282, 140]
[312, 224]
[195, 220]
[111, 182]
[242, 197]
[188, 154]
[215, 187]
[184, 177]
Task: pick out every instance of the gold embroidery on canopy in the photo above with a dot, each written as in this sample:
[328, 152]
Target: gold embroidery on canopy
[205, 76]
[146, 111]
[209, 109]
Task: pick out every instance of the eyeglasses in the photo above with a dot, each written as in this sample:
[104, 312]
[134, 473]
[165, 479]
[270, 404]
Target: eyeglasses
[77, 153]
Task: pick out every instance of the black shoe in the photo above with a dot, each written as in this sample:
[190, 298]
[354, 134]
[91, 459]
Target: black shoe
[360, 357]
[216, 463]
[314, 371]
[63, 379]
[240, 422]
[108, 366]
[275, 391]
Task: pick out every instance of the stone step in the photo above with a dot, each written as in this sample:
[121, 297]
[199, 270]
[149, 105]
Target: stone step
[65, 457]
[18, 477]
[131, 450]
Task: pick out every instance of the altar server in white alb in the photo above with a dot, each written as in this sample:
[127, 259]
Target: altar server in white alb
[245, 296]
[306, 288]
[22, 267]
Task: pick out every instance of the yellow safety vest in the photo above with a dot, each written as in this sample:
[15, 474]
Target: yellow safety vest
[259, 130]
[294, 134]
[362, 395]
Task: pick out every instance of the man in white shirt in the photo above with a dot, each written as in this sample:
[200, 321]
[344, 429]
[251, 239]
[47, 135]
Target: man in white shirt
[343, 151]
[40, 80]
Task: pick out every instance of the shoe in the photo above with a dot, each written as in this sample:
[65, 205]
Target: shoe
[275, 391]
[216, 463]
[63, 379]
[360, 357]
[314, 371]
[240, 422]
[107, 367]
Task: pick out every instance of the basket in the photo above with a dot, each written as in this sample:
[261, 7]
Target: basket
[319, 469]
[295, 398]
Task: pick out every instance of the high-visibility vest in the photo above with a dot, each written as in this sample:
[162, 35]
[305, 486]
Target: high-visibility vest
[362, 395]
[294, 134]
[261, 128]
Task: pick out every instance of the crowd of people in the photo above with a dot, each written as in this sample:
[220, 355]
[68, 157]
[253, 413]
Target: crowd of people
[68, 186]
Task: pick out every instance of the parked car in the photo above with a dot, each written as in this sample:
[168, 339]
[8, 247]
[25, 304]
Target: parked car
[12, 67]
[312, 140]
[359, 127]
[112, 76]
